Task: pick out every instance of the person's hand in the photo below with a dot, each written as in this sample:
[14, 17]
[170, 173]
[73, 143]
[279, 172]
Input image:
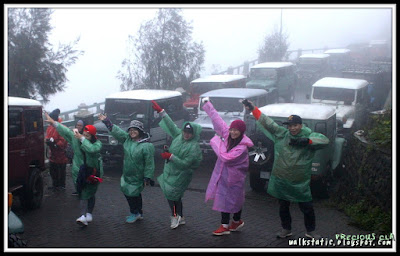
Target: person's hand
[102, 117]
[48, 118]
[302, 142]
[166, 155]
[248, 104]
[156, 107]
[77, 134]
[205, 100]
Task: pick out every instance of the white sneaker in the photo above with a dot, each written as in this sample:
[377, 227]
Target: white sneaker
[82, 221]
[175, 221]
[182, 221]
[89, 217]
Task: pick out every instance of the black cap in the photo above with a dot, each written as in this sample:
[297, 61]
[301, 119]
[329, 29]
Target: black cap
[188, 128]
[293, 119]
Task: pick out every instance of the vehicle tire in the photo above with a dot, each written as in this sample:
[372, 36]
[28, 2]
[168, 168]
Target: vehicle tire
[14, 241]
[33, 194]
[256, 183]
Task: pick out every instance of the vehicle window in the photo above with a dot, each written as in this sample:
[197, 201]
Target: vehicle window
[14, 123]
[263, 74]
[33, 120]
[336, 94]
[124, 110]
[321, 128]
[200, 88]
[173, 107]
[226, 104]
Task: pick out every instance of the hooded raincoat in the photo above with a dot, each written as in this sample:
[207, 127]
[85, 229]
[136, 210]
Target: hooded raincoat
[138, 161]
[291, 171]
[93, 158]
[187, 155]
[226, 186]
[58, 150]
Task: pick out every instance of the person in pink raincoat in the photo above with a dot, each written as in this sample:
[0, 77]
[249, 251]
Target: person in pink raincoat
[227, 183]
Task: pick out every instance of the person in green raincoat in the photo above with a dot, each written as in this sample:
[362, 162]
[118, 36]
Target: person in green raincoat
[138, 167]
[86, 148]
[182, 158]
[294, 149]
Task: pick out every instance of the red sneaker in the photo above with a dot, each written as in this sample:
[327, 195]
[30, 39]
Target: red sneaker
[221, 231]
[235, 226]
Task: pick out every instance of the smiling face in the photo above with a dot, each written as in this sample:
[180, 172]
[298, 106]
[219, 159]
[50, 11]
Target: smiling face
[234, 133]
[294, 129]
[133, 133]
[187, 135]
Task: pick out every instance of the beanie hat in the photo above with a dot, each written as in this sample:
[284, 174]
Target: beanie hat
[239, 125]
[80, 122]
[188, 128]
[54, 114]
[90, 129]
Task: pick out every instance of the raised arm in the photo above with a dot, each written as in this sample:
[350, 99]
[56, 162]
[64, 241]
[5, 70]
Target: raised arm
[220, 127]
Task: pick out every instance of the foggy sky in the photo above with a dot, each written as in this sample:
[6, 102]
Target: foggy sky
[231, 34]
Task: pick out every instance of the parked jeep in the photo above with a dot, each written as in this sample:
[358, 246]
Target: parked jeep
[278, 78]
[123, 107]
[208, 83]
[318, 118]
[26, 150]
[228, 104]
[311, 67]
[349, 97]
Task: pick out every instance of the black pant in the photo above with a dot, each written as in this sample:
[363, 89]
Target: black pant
[135, 203]
[225, 217]
[305, 207]
[176, 207]
[87, 206]
[58, 174]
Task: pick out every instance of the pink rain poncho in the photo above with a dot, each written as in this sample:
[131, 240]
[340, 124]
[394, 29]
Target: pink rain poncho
[226, 186]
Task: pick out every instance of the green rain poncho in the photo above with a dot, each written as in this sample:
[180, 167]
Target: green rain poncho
[93, 158]
[187, 155]
[138, 162]
[291, 171]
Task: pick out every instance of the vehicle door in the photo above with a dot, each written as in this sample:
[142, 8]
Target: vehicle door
[17, 153]
[361, 106]
[283, 82]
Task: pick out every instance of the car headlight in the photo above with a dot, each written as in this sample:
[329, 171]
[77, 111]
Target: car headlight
[113, 141]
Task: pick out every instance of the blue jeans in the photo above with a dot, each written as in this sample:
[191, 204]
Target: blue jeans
[306, 208]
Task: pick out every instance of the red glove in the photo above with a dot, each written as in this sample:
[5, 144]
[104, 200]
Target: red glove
[256, 113]
[94, 179]
[166, 155]
[156, 107]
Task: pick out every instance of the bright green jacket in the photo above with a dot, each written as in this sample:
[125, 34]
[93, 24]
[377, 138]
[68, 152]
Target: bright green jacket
[187, 155]
[93, 158]
[138, 162]
[291, 171]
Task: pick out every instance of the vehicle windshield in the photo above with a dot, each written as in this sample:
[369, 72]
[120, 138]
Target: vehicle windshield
[310, 64]
[200, 88]
[263, 74]
[226, 104]
[120, 110]
[335, 94]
